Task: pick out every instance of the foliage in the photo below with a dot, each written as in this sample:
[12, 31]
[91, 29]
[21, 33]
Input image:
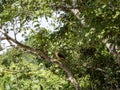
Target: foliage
[80, 39]
[27, 74]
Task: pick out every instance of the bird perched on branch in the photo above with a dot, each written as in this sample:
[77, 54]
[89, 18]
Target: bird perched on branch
[59, 55]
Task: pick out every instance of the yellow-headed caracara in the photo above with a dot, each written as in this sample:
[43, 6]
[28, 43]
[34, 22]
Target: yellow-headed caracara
[59, 56]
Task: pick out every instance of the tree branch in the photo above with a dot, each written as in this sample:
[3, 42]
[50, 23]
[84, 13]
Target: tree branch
[113, 49]
[69, 74]
[42, 54]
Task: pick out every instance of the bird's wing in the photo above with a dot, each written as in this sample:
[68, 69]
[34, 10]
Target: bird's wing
[61, 55]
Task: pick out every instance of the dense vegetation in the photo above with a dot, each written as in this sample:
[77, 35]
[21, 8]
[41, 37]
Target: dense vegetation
[87, 32]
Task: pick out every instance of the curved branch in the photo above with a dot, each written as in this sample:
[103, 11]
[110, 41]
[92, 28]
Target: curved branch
[69, 74]
[42, 54]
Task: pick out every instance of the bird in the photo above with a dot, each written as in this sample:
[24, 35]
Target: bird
[59, 55]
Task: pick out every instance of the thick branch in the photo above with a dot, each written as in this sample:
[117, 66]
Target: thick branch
[113, 49]
[41, 54]
[74, 10]
[69, 74]
[25, 47]
[2, 38]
